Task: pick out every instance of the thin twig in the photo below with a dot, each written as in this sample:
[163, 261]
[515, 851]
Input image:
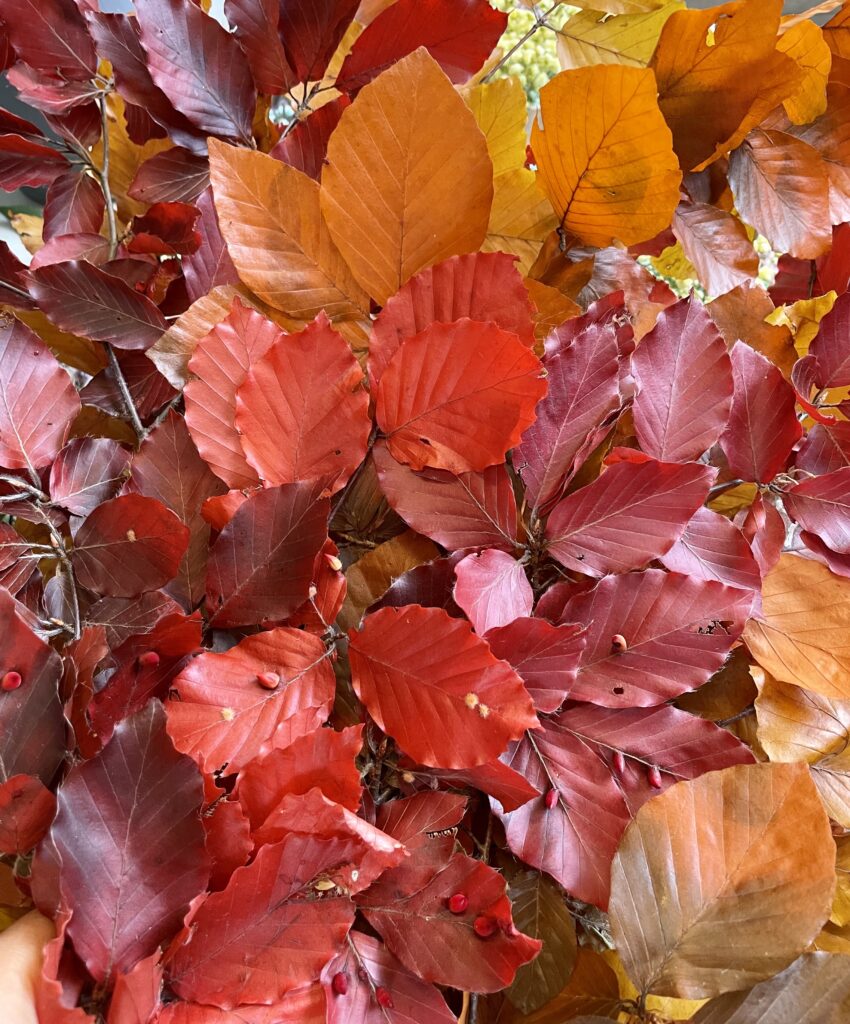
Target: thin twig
[726, 486]
[736, 718]
[124, 391]
[539, 22]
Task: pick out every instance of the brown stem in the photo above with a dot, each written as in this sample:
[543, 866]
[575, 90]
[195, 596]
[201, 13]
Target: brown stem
[540, 22]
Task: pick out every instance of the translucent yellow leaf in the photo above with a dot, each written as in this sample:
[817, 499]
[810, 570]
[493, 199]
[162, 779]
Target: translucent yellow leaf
[594, 37]
[805, 44]
[803, 318]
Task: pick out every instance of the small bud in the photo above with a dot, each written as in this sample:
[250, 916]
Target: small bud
[653, 776]
[618, 644]
[131, 535]
[228, 714]
[471, 700]
[484, 927]
[269, 680]
[333, 562]
[383, 998]
[619, 762]
[313, 591]
[148, 659]
[483, 710]
[11, 681]
[339, 983]
[551, 799]
[407, 777]
[458, 902]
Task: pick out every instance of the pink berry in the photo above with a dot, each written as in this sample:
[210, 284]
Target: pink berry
[11, 681]
[458, 902]
[148, 659]
[384, 998]
[618, 643]
[551, 799]
[619, 762]
[484, 927]
[339, 983]
[269, 680]
[653, 776]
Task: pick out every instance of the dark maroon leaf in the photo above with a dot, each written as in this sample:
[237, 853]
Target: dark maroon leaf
[149, 390]
[94, 248]
[121, 617]
[677, 632]
[167, 229]
[26, 811]
[311, 33]
[131, 844]
[304, 147]
[199, 67]
[255, 24]
[24, 162]
[684, 384]
[74, 205]
[129, 545]
[83, 300]
[87, 472]
[211, 265]
[175, 175]
[825, 448]
[830, 347]
[459, 37]
[51, 36]
[261, 565]
[763, 425]
[13, 282]
[430, 584]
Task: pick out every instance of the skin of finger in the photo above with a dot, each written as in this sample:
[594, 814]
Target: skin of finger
[21, 954]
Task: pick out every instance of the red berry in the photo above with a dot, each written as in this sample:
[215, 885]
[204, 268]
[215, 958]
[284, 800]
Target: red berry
[619, 762]
[654, 777]
[484, 927]
[618, 644]
[458, 902]
[384, 998]
[148, 659]
[11, 681]
[551, 799]
[269, 680]
[339, 983]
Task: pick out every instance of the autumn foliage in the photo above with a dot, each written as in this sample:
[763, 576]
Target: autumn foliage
[412, 609]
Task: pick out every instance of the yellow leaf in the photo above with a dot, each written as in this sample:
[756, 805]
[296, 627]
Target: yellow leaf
[500, 111]
[605, 154]
[270, 217]
[802, 318]
[665, 1006]
[803, 636]
[594, 37]
[408, 179]
[805, 45]
[28, 228]
[672, 262]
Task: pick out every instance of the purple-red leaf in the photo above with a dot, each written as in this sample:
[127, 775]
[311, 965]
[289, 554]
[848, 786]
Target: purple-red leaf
[713, 548]
[830, 347]
[311, 33]
[821, 505]
[492, 589]
[255, 24]
[631, 514]
[74, 205]
[684, 382]
[87, 472]
[24, 162]
[131, 845]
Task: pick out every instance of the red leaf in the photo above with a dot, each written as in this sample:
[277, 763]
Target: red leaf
[317, 612]
[228, 841]
[485, 287]
[136, 993]
[52, 1001]
[459, 38]
[307, 388]
[32, 427]
[167, 467]
[367, 965]
[830, 345]
[255, 24]
[495, 779]
[678, 631]
[199, 67]
[430, 585]
[211, 265]
[50, 36]
[465, 419]
[712, 548]
[323, 759]
[546, 657]
[574, 754]
[129, 545]
[266, 932]
[306, 145]
[131, 845]
[32, 730]
[631, 514]
[87, 472]
[167, 229]
[219, 365]
[764, 529]
[492, 590]
[454, 954]
[825, 448]
[93, 248]
[220, 713]
[24, 162]
[821, 505]
[435, 687]
[473, 510]
[122, 617]
[175, 175]
[583, 379]
[312, 33]
[173, 639]
[74, 204]
[763, 425]
[84, 300]
[300, 1006]
[410, 820]
[26, 811]
[684, 381]
[261, 566]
